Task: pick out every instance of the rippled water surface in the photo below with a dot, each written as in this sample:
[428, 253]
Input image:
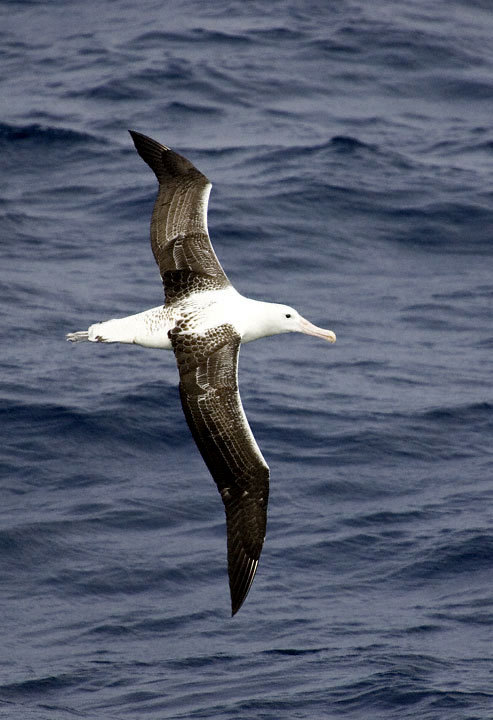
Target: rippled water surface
[351, 149]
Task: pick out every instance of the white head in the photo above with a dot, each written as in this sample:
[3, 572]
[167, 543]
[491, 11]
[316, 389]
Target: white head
[274, 319]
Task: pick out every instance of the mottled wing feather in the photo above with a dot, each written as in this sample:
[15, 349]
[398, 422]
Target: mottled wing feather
[211, 402]
[179, 236]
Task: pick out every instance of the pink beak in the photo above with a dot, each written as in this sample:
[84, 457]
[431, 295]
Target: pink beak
[309, 329]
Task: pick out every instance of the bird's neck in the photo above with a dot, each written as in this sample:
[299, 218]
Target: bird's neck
[259, 320]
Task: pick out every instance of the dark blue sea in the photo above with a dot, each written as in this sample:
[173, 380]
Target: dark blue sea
[350, 145]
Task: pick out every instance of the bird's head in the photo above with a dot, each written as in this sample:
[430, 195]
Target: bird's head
[273, 319]
[289, 320]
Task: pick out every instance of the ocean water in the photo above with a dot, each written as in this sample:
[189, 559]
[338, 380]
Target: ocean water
[351, 149]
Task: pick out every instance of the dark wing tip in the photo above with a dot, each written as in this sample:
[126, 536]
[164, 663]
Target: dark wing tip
[165, 163]
[246, 521]
[244, 549]
[241, 581]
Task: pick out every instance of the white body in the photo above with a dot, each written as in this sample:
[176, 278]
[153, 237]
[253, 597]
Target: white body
[251, 319]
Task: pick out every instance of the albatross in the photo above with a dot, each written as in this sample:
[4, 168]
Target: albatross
[204, 320]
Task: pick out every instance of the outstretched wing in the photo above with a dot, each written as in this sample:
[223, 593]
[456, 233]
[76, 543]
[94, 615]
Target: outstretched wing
[211, 402]
[179, 236]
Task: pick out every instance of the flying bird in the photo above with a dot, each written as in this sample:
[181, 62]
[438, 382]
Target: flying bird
[204, 320]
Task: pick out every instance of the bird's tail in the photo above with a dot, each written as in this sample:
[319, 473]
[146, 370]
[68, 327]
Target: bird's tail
[120, 330]
[80, 336]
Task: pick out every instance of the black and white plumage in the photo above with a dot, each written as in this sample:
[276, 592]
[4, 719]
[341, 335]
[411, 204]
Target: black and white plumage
[204, 320]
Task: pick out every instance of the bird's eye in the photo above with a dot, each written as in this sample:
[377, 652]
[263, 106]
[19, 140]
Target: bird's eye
[288, 315]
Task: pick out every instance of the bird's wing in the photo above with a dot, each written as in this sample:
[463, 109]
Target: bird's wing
[179, 236]
[211, 402]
